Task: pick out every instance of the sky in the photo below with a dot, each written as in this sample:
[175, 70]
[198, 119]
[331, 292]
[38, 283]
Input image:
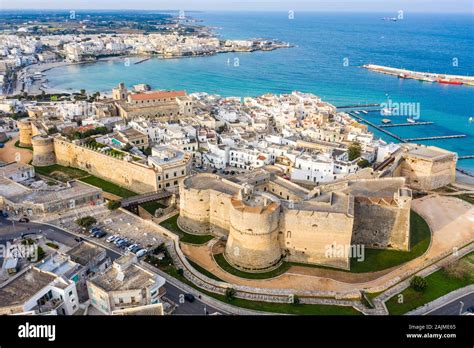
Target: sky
[427, 6]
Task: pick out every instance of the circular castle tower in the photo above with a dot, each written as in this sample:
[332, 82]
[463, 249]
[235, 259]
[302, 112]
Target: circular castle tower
[26, 131]
[253, 244]
[43, 151]
[194, 206]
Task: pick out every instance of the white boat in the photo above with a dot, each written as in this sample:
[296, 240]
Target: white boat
[410, 120]
[471, 119]
[365, 112]
[386, 111]
[356, 112]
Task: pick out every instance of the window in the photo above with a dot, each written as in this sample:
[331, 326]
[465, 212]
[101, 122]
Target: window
[175, 183]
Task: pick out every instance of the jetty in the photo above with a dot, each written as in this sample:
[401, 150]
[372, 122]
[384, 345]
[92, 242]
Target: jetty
[142, 60]
[408, 124]
[439, 137]
[422, 76]
[465, 157]
[378, 127]
[357, 106]
[382, 129]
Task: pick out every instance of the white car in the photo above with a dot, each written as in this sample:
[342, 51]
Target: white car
[141, 252]
[111, 239]
[131, 247]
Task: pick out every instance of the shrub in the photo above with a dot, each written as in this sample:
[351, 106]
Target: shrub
[180, 271]
[230, 294]
[112, 205]
[86, 221]
[418, 283]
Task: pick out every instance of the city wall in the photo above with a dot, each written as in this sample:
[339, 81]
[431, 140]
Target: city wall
[133, 176]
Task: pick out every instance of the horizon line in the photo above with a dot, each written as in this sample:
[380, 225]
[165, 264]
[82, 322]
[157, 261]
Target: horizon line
[232, 10]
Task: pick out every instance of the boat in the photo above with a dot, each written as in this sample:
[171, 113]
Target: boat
[365, 112]
[410, 120]
[386, 120]
[469, 83]
[402, 76]
[356, 112]
[449, 82]
[386, 111]
[426, 79]
[471, 119]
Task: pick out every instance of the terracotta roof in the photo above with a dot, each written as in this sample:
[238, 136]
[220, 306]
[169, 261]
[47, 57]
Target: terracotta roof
[157, 95]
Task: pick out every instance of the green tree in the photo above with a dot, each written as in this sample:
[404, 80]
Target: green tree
[86, 221]
[112, 205]
[230, 294]
[83, 91]
[418, 283]
[354, 151]
[363, 163]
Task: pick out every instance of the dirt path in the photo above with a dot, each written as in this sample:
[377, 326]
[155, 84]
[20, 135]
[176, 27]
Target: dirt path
[450, 219]
[9, 152]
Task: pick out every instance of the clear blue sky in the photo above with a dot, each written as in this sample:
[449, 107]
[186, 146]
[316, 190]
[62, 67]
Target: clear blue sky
[428, 6]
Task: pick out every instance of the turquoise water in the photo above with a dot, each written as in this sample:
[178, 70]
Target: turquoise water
[323, 43]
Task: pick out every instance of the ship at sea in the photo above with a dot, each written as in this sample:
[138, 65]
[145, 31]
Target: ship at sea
[410, 120]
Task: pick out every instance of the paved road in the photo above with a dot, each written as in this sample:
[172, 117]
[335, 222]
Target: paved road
[453, 307]
[10, 230]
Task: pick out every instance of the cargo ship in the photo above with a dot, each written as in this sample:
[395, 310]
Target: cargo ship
[449, 82]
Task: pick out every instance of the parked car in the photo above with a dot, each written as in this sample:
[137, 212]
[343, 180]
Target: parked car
[141, 252]
[100, 234]
[118, 240]
[135, 249]
[78, 239]
[189, 297]
[24, 219]
[4, 214]
[129, 248]
[110, 239]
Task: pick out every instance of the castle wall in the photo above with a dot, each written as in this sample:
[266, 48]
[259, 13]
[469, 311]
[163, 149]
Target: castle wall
[253, 238]
[220, 206]
[316, 237]
[429, 174]
[194, 214]
[133, 176]
[25, 132]
[43, 151]
[381, 226]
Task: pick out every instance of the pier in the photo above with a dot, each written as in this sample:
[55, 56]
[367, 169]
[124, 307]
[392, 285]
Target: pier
[465, 157]
[357, 106]
[142, 60]
[406, 124]
[422, 76]
[360, 119]
[407, 140]
[440, 137]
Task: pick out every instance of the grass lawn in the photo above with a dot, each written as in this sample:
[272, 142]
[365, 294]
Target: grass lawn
[440, 283]
[17, 144]
[466, 197]
[171, 224]
[61, 173]
[298, 309]
[222, 262]
[204, 271]
[377, 260]
[152, 206]
[109, 187]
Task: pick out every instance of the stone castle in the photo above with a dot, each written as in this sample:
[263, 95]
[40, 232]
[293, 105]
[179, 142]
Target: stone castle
[267, 219]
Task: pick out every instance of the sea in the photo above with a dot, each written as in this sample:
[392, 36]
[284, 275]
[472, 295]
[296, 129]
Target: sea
[328, 50]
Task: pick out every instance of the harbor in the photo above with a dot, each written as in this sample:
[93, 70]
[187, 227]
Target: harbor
[381, 128]
[422, 76]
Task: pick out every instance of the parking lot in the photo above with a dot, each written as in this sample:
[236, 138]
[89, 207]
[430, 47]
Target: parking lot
[115, 223]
